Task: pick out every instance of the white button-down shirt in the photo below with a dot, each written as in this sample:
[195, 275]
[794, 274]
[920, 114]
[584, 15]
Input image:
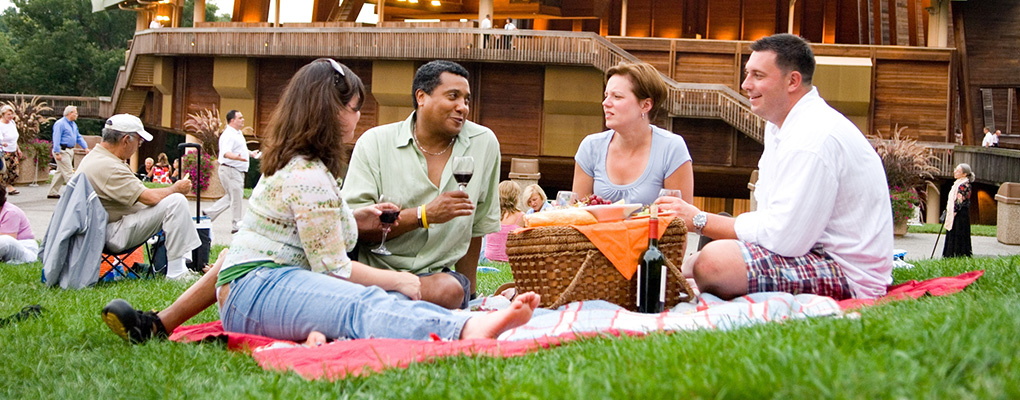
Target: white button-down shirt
[820, 182]
[232, 141]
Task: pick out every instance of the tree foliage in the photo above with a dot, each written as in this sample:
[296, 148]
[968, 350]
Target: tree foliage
[188, 14]
[61, 47]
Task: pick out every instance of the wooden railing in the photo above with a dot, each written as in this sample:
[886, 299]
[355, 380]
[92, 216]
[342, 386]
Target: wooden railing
[991, 165]
[88, 107]
[465, 44]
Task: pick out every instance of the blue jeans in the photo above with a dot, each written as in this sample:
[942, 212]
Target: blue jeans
[288, 303]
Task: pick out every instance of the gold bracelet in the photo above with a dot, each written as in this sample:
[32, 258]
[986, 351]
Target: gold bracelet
[424, 218]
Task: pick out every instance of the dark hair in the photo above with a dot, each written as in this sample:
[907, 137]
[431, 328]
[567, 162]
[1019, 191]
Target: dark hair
[3, 196]
[793, 53]
[427, 77]
[230, 115]
[306, 121]
[646, 81]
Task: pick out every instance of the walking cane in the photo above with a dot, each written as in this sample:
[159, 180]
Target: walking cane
[936, 241]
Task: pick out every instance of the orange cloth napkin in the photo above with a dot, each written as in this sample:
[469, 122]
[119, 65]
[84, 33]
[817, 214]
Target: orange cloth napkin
[622, 242]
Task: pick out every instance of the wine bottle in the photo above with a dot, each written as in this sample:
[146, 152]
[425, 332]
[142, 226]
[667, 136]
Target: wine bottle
[651, 291]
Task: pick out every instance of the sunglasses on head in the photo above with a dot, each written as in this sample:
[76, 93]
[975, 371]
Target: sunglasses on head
[337, 80]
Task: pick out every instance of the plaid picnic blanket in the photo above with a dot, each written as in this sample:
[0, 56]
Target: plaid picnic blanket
[547, 328]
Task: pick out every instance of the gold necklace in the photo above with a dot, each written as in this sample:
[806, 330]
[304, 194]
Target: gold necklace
[414, 136]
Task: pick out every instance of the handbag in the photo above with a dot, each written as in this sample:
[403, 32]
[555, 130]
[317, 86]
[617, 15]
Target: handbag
[942, 218]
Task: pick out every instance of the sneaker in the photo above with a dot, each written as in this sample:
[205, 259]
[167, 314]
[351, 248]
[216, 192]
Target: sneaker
[130, 324]
[186, 276]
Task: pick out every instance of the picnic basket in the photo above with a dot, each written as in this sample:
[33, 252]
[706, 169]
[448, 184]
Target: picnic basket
[562, 265]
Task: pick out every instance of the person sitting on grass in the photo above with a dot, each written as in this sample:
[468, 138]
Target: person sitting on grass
[823, 224]
[537, 200]
[287, 274]
[511, 218]
[17, 243]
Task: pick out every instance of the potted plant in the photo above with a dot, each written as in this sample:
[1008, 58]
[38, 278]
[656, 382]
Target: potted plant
[903, 200]
[205, 126]
[907, 166]
[35, 153]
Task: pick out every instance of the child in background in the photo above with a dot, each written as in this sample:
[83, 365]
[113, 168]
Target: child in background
[536, 199]
[510, 218]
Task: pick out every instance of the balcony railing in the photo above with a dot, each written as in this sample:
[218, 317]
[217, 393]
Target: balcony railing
[88, 107]
[466, 44]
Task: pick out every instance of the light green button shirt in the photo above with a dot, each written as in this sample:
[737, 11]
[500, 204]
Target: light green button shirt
[386, 161]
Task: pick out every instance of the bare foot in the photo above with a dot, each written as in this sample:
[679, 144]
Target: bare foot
[315, 338]
[489, 326]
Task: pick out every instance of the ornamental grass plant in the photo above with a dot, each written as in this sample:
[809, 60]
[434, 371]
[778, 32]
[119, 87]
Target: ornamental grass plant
[958, 346]
[907, 165]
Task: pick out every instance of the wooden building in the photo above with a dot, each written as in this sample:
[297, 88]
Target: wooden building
[930, 65]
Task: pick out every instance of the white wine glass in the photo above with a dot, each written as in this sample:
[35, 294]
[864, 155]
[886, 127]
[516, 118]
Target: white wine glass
[565, 199]
[463, 168]
[669, 193]
[387, 218]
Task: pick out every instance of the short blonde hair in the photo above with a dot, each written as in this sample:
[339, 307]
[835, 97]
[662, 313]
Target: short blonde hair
[532, 189]
[509, 193]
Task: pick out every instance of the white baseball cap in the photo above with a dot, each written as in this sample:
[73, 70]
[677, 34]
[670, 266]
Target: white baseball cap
[128, 123]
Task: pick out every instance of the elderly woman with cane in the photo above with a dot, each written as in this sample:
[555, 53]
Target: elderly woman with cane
[957, 222]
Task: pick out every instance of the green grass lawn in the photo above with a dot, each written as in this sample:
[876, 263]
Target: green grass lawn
[975, 230]
[959, 346]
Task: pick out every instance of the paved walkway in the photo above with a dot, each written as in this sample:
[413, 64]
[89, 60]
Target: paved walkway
[918, 245]
[39, 210]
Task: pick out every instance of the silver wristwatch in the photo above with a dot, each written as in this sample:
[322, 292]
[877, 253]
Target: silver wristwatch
[699, 220]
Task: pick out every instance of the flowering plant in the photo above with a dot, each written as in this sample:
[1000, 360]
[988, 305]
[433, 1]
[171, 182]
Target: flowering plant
[903, 203]
[37, 149]
[189, 168]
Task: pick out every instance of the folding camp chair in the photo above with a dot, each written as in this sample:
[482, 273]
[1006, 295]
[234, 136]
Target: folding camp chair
[156, 265]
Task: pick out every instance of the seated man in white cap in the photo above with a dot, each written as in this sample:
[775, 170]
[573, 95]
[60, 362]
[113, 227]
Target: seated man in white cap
[137, 212]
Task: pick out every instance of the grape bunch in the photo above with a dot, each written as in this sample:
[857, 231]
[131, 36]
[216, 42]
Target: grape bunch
[595, 200]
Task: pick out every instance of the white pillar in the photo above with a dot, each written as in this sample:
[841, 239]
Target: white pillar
[623, 18]
[938, 23]
[199, 13]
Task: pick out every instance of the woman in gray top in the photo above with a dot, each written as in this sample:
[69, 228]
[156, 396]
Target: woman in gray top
[634, 159]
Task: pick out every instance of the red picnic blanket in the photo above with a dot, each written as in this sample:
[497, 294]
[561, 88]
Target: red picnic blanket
[339, 359]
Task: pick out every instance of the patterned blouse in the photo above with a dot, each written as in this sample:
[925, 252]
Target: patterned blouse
[297, 217]
[962, 191]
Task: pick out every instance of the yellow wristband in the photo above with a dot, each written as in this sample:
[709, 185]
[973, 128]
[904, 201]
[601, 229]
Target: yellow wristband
[424, 218]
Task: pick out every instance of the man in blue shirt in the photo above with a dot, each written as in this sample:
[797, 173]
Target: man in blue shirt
[65, 136]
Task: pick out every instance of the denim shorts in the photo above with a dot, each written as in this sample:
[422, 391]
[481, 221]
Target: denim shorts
[290, 302]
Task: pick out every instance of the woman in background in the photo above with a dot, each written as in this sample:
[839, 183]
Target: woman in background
[11, 151]
[634, 159]
[537, 200]
[958, 214]
[510, 218]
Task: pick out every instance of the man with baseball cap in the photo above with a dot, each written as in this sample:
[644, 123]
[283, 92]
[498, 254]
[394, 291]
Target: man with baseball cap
[135, 211]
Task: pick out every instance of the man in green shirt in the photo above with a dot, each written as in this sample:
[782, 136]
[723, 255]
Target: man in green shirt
[410, 163]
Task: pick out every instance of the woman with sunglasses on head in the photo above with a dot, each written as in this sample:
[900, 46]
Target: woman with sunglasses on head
[287, 273]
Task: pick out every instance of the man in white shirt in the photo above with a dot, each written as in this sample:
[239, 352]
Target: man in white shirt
[991, 139]
[485, 24]
[823, 223]
[233, 165]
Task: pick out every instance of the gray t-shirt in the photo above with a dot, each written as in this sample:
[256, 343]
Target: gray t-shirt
[669, 152]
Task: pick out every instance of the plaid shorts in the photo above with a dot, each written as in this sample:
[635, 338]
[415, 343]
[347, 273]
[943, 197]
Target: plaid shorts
[814, 272]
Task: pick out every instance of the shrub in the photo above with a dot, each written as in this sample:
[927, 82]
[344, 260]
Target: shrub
[37, 149]
[903, 202]
[189, 167]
